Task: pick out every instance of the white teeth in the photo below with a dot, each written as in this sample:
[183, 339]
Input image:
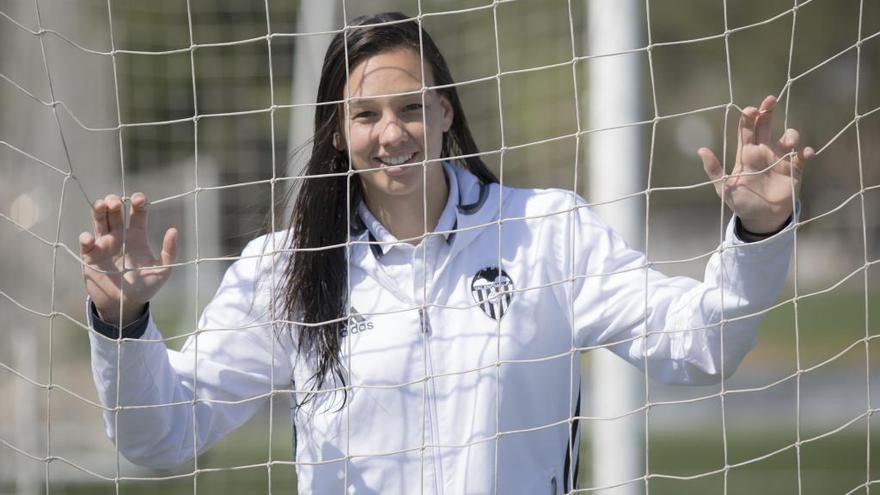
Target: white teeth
[396, 160]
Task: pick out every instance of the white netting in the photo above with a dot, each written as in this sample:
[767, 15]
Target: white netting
[190, 102]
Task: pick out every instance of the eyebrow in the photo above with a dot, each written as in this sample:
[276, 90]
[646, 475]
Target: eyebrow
[360, 99]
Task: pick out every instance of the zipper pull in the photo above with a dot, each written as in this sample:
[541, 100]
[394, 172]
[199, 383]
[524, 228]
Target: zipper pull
[423, 320]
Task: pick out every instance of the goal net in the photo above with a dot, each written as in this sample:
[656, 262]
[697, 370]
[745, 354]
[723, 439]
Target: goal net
[205, 106]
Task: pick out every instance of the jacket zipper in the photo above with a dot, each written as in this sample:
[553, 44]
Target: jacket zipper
[423, 319]
[437, 467]
[420, 263]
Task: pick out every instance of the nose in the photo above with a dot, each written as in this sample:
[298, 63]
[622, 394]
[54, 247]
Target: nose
[392, 132]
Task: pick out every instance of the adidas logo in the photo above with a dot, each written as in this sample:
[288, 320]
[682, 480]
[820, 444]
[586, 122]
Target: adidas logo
[357, 324]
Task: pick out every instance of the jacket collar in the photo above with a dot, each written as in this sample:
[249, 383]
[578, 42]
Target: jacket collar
[477, 209]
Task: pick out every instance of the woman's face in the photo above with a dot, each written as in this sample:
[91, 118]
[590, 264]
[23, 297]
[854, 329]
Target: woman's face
[385, 129]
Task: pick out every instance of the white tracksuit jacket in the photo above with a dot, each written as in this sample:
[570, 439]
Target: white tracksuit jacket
[463, 377]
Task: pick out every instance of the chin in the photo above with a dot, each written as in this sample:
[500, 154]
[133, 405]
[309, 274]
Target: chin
[396, 186]
[408, 181]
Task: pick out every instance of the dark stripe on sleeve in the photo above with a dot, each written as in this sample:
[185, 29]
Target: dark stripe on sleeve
[748, 236]
[572, 445]
[293, 418]
[133, 330]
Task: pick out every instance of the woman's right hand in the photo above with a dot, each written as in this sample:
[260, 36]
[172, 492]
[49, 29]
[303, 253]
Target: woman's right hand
[103, 260]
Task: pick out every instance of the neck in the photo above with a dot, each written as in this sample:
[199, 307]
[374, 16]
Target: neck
[408, 217]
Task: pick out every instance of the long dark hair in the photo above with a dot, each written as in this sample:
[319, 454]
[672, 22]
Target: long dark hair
[315, 285]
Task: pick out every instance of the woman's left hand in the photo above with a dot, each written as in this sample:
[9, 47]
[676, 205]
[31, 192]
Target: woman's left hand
[759, 189]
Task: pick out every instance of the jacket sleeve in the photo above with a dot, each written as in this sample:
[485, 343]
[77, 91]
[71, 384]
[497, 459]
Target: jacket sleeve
[163, 407]
[683, 330]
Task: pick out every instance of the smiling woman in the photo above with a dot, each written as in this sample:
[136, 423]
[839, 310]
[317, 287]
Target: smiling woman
[390, 126]
[425, 320]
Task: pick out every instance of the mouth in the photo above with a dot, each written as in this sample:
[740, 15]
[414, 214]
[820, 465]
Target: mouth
[394, 161]
[391, 165]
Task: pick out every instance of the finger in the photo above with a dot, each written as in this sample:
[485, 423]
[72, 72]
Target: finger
[713, 167]
[114, 213]
[86, 243]
[90, 250]
[138, 212]
[99, 218]
[802, 157]
[169, 247]
[764, 119]
[790, 139]
[747, 126]
[808, 153]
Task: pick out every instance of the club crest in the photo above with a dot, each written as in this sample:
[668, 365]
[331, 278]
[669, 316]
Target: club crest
[492, 290]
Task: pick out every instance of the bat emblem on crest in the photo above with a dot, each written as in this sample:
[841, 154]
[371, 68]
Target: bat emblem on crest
[492, 289]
